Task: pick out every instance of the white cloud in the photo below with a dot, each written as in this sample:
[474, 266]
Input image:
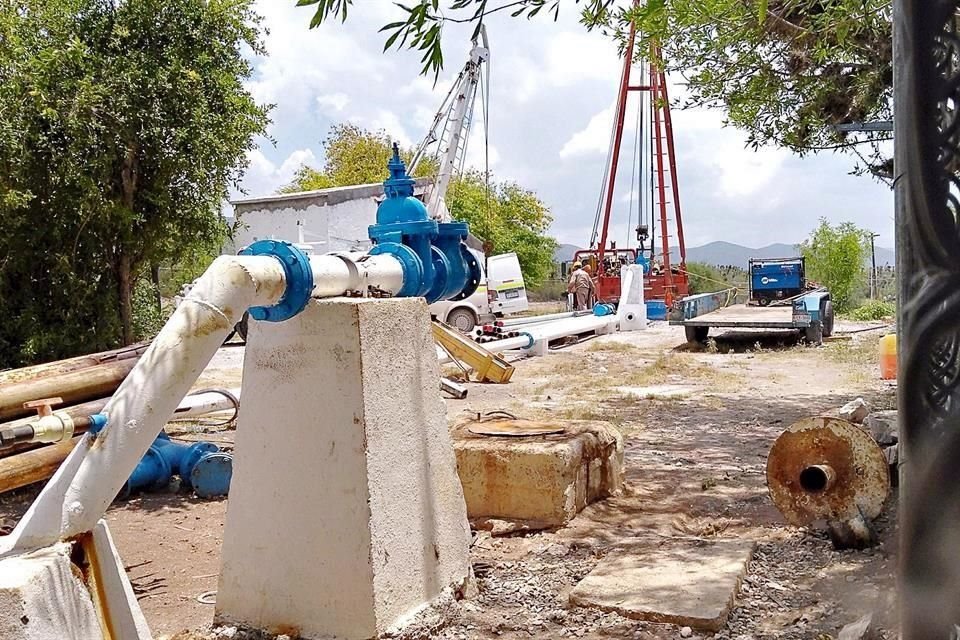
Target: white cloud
[333, 102]
[552, 85]
[594, 138]
[264, 177]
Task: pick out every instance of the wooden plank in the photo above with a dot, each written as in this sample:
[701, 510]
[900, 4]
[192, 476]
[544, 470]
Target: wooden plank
[488, 366]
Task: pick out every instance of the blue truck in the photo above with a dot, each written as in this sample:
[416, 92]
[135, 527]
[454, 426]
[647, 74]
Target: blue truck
[779, 296]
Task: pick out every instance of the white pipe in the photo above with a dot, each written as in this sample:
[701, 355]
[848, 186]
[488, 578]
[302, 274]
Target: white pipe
[92, 475]
[200, 404]
[550, 317]
[546, 331]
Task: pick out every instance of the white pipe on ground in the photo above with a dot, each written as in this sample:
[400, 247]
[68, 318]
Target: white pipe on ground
[200, 404]
[92, 475]
[549, 317]
[546, 331]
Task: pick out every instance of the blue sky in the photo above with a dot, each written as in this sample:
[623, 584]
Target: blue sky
[553, 86]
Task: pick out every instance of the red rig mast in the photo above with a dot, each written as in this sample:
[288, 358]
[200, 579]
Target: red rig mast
[663, 280]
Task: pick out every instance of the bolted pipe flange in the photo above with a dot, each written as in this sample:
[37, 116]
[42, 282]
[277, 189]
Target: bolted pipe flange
[299, 279]
[828, 469]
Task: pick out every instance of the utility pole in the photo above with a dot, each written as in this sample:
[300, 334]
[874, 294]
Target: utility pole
[873, 271]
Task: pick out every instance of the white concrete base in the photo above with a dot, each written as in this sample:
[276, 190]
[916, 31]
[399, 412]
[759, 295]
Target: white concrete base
[346, 515]
[632, 310]
[44, 595]
[41, 598]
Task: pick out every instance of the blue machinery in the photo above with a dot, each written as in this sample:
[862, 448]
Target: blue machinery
[435, 263]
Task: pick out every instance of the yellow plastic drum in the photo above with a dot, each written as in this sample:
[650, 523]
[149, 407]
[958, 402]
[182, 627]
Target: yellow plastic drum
[888, 357]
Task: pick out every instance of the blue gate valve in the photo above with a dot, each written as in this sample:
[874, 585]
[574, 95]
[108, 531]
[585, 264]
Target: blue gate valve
[436, 261]
[200, 465]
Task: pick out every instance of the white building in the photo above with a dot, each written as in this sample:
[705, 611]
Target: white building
[333, 219]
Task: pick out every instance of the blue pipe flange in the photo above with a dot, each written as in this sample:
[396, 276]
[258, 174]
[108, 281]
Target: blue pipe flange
[210, 476]
[299, 279]
[412, 266]
[528, 337]
[474, 274]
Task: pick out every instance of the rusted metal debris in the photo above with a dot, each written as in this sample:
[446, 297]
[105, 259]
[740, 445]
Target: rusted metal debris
[828, 469]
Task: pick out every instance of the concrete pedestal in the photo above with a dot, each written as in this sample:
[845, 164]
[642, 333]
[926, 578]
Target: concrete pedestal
[632, 309]
[346, 515]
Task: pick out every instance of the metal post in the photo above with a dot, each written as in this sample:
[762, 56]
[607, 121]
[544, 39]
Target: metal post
[873, 268]
[927, 153]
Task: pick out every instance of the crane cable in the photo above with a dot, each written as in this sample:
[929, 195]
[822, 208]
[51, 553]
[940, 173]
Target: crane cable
[485, 108]
[634, 175]
[603, 185]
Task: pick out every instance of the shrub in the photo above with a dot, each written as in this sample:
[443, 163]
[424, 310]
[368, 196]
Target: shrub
[873, 310]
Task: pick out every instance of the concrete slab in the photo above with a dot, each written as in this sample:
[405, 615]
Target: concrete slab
[42, 598]
[689, 583]
[538, 481]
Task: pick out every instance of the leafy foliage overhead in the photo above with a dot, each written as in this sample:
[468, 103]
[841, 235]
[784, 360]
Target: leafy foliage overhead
[785, 71]
[121, 126]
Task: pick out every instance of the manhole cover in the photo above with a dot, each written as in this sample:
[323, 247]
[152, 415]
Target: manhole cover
[514, 428]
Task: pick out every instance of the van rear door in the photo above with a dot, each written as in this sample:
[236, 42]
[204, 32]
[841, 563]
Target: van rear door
[506, 289]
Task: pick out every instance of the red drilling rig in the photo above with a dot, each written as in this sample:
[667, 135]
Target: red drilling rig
[664, 279]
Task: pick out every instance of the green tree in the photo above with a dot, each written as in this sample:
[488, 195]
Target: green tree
[353, 155]
[835, 257]
[785, 71]
[122, 124]
[508, 217]
[705, 278]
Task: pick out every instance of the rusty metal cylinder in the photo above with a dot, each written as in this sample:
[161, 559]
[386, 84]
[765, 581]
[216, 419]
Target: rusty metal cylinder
[77, 386]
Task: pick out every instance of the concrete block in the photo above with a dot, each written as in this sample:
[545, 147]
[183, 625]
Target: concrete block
[43, 598]
[541, 481]
[678, 582]
[346, 516]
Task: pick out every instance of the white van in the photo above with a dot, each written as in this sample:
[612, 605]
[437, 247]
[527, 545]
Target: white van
[501, 291]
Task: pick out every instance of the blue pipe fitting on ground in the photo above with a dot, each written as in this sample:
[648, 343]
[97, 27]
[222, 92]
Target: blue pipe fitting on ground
[435, 259]
[200, 465]
[299, 279]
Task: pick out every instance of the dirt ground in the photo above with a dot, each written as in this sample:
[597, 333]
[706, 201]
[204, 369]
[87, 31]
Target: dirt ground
[697, 423]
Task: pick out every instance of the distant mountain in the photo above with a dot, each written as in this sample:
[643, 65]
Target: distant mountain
[564, 252]
[728, 253]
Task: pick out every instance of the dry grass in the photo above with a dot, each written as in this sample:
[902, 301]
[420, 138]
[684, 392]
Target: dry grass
[862, 352]
[612, 346]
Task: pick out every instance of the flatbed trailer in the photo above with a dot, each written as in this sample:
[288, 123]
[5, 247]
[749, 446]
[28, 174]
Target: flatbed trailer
[810, 313]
